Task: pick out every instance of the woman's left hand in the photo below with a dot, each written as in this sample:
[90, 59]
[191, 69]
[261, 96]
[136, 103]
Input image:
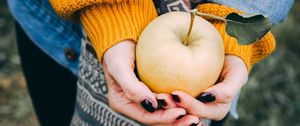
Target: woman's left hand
[214, 102]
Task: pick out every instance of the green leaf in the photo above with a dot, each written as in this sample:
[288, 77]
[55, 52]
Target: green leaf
[247, 28]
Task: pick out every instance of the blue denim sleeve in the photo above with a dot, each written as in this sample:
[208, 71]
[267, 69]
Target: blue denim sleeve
[276, 10]
[48, 31]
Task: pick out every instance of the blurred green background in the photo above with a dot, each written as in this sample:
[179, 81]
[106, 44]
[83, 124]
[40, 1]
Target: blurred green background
[270, 98]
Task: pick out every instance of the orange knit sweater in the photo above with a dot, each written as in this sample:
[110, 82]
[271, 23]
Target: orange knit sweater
[108, 22]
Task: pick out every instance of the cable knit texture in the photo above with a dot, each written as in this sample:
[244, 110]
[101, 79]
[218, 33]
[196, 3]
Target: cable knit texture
[250, 54]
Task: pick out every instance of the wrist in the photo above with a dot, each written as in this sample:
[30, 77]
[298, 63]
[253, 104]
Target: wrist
[120, 52]
[106, 25]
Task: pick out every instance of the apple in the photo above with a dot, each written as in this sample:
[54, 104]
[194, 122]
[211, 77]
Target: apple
[165, 63]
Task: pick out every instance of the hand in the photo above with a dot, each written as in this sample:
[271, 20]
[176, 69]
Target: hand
[119, 63]
[128, 96]
[217, 99]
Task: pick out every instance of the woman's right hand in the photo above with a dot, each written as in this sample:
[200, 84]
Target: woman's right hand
[129, 96]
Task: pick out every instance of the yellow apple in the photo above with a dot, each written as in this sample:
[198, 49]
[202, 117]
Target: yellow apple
[165, 64]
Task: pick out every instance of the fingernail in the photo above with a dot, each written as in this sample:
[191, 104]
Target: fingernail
[161, 103]
[147, 105]
[175, 98]
[207, 97]
[179, 117]
[194, 124]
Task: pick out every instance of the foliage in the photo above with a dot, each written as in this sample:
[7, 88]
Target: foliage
[15, 105]
[270, 98]
[247, 28]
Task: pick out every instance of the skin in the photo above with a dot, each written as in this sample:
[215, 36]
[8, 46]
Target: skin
[125, 91]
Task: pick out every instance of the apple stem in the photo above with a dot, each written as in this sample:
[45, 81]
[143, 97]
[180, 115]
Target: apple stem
[193, 14]
[198, 13]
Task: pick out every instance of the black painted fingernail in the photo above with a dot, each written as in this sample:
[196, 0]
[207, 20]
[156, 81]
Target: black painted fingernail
[175, 98]
[207, 97]
[147, 105]
[161, 103]
[194, 124]
[179, 117]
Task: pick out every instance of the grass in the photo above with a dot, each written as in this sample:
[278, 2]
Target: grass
[270, 97]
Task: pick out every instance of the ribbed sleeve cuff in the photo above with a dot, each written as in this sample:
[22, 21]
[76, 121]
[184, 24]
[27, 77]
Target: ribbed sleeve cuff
[69, 8]
[250, 54]
[108, 24]
[263, 48]
[232, 47]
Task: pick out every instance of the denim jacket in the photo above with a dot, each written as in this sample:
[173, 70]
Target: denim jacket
[58, 37]
[48, 31]
[61, 39]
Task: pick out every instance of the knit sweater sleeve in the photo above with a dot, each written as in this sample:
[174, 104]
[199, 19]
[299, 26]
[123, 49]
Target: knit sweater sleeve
[108, 22]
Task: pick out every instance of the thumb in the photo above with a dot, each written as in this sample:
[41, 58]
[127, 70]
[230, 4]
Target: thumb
[134, 89]
[221, 93]
[225, 91]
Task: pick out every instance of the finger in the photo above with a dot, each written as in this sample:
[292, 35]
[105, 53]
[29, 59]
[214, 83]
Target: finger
[188, 120]
[220, 93]
[215, 111]
[134, 89]
[136, 112]
[165, 101]
[119, 60]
